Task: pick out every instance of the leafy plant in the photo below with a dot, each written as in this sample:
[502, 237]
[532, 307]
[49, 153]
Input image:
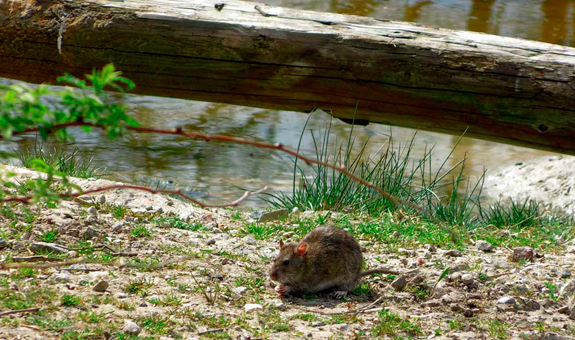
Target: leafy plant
[24, 108]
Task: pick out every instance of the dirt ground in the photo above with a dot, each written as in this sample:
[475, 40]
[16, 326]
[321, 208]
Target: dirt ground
[168, 270]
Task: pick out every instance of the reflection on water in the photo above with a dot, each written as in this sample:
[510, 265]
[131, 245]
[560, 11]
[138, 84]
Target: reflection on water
[216, 170]
[551, 21]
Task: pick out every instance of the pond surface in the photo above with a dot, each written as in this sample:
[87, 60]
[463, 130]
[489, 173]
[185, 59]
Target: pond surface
[217, 170]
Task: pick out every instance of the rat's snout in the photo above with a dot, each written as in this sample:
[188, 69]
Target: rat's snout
[273, 274]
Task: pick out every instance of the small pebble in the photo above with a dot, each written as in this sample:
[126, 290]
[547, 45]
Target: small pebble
[250, 240]
[239, 290]
[484, 246]
[44, 247]
[295, 210]
[467, 279]
[89, 234]
[250, 307]
[399, 283]
[3, 243]
[523, 253]
[506, 300]
[117, 227]
[92, 211]
[131, 328]
[101, 286]
[102, 199]
[453, 253]
[280, 305]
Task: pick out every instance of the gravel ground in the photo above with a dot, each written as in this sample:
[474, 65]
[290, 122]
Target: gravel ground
[173, 271]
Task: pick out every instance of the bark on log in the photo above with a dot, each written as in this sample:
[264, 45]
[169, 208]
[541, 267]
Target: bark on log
[503, 89]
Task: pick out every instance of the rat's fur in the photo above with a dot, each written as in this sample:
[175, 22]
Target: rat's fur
[327, 258]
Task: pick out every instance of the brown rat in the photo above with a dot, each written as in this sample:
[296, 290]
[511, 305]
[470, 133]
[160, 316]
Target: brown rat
[326, 258]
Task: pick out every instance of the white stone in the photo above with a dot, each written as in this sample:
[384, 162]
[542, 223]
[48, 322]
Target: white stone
[506, 300]
[250, 307]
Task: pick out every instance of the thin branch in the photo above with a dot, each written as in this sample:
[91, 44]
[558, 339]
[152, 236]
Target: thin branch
[35, 309]
[26, 199]
[214, 330]
[222, 138]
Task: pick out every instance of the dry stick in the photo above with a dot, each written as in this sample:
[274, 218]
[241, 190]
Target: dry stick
[198, 135]
[211, 331]
[35, 259]
[35, 309]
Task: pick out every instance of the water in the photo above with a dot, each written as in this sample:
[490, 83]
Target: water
[217, 171]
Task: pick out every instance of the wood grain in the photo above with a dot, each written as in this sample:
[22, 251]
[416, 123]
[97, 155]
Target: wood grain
[502, 89]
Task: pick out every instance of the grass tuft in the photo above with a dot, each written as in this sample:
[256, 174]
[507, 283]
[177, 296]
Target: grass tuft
[69, 162]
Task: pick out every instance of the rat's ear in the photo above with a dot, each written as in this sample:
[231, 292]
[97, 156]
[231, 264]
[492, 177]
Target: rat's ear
[301, 250]
[282, 245]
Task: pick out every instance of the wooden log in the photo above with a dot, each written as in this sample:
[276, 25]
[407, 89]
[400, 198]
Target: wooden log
[502, 89]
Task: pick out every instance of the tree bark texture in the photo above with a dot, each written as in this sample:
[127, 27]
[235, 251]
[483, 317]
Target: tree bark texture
[500, 89]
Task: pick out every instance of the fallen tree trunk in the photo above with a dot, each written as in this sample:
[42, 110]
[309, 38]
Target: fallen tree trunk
[502, 89]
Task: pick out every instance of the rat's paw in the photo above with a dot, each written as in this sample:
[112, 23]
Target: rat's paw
[340, 294]
[282, 290]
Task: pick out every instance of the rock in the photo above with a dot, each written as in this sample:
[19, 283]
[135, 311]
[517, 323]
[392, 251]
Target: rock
[399, 283]
[93, 211]
[565, 274]
[453, 253]
[122, 295]
[117, 227]
[3, 243]
[239, 290]
[506, 300]
[62, 276]
[160, 210]
[528, 305]
[467, 279]
[131, 328]
[567, 289]
[432, 303]
[102, 199]
[316, 324]
[143, 304]
[153, 299]
[430, 247]
[210, 242]
[295, 210]
[101, 286]
[280, 305]
[90, 233]
[250, 240]
[44, 247]
[250, 307]
[564, 310]
[273, 215]
[523, 253]
[484, 246]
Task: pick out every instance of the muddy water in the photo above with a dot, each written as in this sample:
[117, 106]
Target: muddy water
[216, 171]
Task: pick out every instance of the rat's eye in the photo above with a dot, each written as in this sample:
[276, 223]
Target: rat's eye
[286, 263]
